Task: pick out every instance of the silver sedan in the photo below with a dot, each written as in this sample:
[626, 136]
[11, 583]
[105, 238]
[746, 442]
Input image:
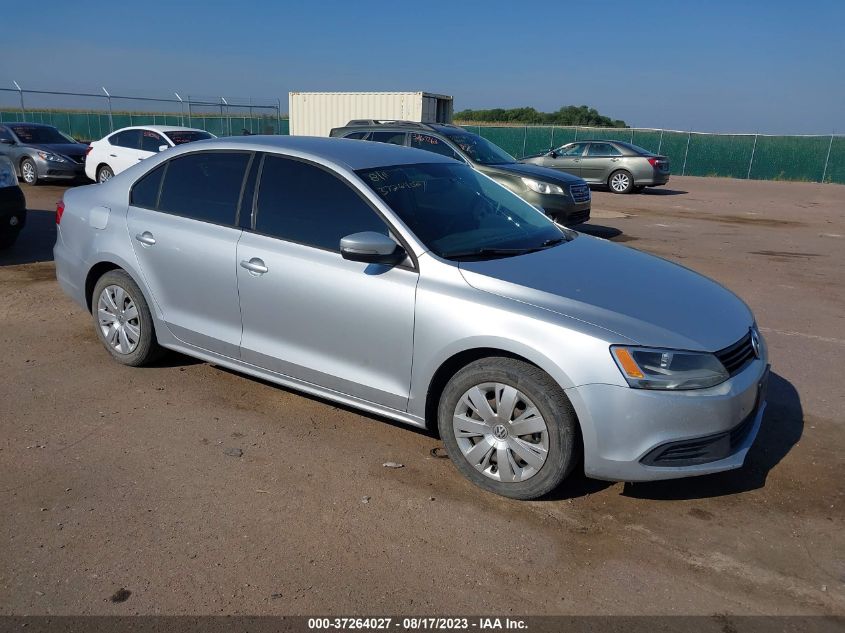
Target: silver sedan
[410, 286]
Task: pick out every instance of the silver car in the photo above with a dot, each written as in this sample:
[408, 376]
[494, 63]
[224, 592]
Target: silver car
[411, 286]
[623, 167]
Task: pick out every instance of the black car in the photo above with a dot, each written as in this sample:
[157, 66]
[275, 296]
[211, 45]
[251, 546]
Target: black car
[41, 152]
[12, 204]
[563, 197]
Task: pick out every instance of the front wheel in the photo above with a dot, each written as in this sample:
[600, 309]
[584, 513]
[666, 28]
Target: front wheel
[621, 181]
[508, 427]
[29, 172]
[123, 320]
[104, 173]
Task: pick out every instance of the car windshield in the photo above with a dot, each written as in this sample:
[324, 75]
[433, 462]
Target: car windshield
[180, 137]
[461, 214]
[479, 149]
[40, 134]
[636, 148]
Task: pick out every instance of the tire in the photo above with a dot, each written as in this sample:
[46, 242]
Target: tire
[104, 173]
[29, 172]
[621, 181]
[127, 334]
[502, 380]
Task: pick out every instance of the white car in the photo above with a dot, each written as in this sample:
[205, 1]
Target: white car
[125, 147]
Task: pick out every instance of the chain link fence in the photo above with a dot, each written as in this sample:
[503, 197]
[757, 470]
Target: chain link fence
[91, 116]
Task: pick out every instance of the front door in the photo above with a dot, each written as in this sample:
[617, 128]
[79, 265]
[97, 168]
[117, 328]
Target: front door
[307, 312]
[185, 239]
[568, 159]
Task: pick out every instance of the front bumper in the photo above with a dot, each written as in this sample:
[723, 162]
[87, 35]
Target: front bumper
[641, 435]
[560, 208]
[52, 170]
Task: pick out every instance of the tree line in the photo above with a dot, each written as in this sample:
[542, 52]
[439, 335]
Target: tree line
[566, 115]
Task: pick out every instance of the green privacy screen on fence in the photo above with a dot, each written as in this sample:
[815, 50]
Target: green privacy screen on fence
[761, 157]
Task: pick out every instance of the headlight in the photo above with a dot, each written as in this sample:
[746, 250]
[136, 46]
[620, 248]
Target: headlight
[542, 187]
[649, 368]
[52, 157]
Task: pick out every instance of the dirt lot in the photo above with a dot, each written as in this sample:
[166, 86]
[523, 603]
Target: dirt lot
[116, 478]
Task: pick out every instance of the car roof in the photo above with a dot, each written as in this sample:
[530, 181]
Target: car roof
[159, 128]
[353, 154]
[26, 123]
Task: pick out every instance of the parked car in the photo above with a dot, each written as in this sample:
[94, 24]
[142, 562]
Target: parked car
[125, 147]
[12, 204]
[409, 285]
[41, 152]
[563, 198]
[623, 167]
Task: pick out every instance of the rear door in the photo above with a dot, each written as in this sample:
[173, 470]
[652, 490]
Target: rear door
[568, 158]
[183, 225]
[124, 150]
[599, 161]
[307, 312]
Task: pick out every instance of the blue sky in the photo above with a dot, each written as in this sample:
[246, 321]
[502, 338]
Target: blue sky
[762, 66]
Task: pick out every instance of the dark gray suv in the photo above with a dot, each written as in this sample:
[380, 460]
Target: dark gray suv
[563, 197]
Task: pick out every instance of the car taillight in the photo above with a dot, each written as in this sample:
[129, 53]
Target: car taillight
[653, 162]
[60, 209]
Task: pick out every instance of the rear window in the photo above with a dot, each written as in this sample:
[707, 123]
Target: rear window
[145, 192]
[180, 137]
[204, 186]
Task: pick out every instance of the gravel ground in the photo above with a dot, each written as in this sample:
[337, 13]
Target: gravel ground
[124, 491]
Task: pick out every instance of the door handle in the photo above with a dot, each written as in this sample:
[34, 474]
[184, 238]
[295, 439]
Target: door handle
[113, 155]
[576, 160]
[146, 238]
[255, 266]
[614, 160]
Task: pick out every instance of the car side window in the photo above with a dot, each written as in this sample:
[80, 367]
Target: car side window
[572, 150]
[433, 144]
[150, 141]
[395, 138]
[5, 134]
[303, 203]
[145, 191]
[130, 139]
[360, 136]
[204, 186]
[603, 149]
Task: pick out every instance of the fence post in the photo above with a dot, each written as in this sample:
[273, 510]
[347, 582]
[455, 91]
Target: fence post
[552, 138]
[190, 114]
[20, 93]
[576, 132]
[660, 144]
[279, 116]
[524, 140]
[111, 119]
[827, 159]
[686, 153]
[751, 162]
[181, 110]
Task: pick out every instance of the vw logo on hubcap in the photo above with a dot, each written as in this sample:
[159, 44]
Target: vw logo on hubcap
[500, 432]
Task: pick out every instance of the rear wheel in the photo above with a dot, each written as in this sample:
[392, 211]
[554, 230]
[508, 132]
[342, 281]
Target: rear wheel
[104, 173]
[123, 320]
[29, 173]
[508, 427]
[621, 181]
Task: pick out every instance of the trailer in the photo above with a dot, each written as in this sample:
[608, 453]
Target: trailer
[316, 113]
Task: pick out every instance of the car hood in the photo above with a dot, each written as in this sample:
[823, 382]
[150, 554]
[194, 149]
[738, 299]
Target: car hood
[534, 171]
[645, 299]
[65, 149]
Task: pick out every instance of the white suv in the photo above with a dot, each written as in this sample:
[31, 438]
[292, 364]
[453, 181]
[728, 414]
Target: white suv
[125, 147]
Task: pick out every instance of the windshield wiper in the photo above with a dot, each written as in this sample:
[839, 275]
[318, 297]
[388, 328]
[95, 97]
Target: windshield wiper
[554, 242]
[487, 252]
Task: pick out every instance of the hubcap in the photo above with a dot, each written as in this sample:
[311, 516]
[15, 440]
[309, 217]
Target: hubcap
[28, 172]
[500, 432]
[118, 319]
[619, 182]
[105, 175]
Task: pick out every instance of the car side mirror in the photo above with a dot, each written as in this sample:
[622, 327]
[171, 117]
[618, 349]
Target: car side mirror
[372, 248]
[161, 148]
[552, 154]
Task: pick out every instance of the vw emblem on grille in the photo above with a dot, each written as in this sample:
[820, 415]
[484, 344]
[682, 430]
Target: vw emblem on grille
[755, 343]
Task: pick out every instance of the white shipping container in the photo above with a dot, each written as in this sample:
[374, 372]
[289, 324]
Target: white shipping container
[316, 113]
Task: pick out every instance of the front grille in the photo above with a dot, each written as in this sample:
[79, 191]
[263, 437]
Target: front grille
[580, 193]
[736, 356]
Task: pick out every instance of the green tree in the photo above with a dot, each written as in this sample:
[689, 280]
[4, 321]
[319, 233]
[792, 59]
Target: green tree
[566, 115]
